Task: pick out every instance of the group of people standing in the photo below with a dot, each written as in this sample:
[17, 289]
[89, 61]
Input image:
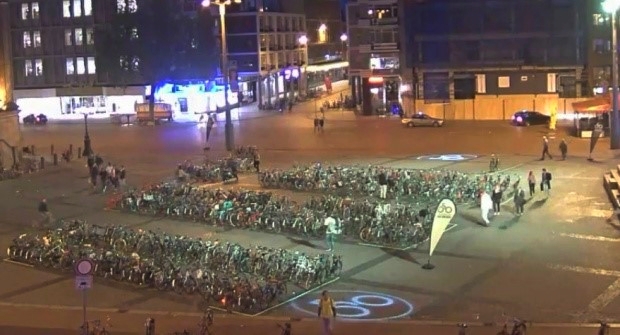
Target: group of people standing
[104, 176]
[491, 202]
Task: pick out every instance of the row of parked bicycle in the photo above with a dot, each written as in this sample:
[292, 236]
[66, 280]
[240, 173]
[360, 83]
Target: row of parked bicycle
[213, 170]
[424, 186]
[366, 220]
[243, 279]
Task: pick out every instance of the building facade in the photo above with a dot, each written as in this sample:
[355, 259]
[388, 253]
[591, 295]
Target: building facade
[457, 49]
[327, 42]
[599, 49]
[53, 60]
[374, 53]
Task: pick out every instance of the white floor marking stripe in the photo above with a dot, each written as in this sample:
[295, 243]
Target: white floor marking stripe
[580, 269]
[590, 237]
[610, 294]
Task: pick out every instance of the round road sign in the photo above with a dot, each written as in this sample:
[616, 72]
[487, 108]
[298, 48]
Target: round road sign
[84, 267]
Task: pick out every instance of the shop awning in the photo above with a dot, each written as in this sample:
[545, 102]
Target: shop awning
[595, 105]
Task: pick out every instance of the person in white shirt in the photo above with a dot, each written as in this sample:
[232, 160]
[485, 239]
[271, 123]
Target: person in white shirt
[486, 205]
[331, 232]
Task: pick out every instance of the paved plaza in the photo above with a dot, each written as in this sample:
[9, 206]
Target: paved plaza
[553, 265]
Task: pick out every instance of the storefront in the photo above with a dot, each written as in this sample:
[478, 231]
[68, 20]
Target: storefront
[377, 94]
[70, 103]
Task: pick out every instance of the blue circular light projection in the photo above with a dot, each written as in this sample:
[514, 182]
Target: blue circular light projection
[361, 305]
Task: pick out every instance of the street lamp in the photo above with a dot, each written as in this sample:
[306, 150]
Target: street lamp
[88, 150]
[303, 42]
[344, 38]
[228, 128]
[611, 7]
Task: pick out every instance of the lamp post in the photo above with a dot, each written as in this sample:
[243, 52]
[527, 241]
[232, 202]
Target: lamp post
[344, 38]
[611, 7]
[88, 150]
[303, 42]
[228, 127]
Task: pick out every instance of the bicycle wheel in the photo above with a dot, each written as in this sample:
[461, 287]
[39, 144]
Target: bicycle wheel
[365, 234]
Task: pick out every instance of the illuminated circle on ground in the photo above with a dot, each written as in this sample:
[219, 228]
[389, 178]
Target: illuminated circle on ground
[448, 157]
[360, 300]
[361, 306]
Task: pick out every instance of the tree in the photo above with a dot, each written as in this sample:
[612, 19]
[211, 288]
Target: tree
[151, 41]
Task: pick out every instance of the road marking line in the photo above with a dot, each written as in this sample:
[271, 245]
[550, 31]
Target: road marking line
[580, 269]
[610, 294]
[6, 260]
[591, 237]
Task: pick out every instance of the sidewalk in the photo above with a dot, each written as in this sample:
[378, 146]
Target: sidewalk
[19, 320]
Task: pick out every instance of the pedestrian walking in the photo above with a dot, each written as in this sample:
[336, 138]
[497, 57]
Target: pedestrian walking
[486, 205]
[496, 196]
[383, 184]
[531, 181]
[46, 215]
[563, 149]
[333, 229]
[94, 174]
[519, 200]
[316, 123]
[545, 151]
[90, 161]
[326, 312]
[545, 182]
[122, 176]
[210, 123]
[256, 158]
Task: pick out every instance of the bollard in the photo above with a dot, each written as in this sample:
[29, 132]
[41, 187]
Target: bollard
[79, 152]
[55, 156]
[42, 163]
[71, 149]
[32, 150]
[52, 150]
[149, 326]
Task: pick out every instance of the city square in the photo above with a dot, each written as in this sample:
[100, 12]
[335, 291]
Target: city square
[554, 264]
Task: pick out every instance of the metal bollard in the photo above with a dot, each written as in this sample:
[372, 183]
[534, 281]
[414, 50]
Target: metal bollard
[149, 326]
[55, 156]
[32, 150]
[52, 150]
[79, 152]
[42, 163]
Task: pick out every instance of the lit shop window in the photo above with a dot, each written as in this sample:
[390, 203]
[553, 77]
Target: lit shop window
[322, 36]
[79, 36]
[34, 7]
[36, 39]
[88, 7]
[90, 36]
[68, 37]
[38, 67]
[77, 8]
[27, 39]
[28, 68]
[66, 8]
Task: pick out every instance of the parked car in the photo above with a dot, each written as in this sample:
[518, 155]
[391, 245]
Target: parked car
[40, 119]
[529, 118]
[421, 120]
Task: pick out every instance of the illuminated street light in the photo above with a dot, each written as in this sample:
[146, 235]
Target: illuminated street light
[303, 40]
[344, 37]
[228, 127]
[611, 7]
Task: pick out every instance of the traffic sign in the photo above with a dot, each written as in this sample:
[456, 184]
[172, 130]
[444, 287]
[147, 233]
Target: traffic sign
[83, 283]
[84, 267]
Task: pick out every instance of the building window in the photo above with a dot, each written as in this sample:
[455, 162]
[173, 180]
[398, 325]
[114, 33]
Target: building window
[77, 8]
[90, 36]
[81, 67]
[37, 39]
[28, 68]
[38, 67]
[88, 7]
[134, 33]
[601, 46]
[126, 6]
[27, 39]
[322, 35]
[70, 66]
[91, 66]
[68, 37]
[35, 10]
[79, 36]
[66, 8]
